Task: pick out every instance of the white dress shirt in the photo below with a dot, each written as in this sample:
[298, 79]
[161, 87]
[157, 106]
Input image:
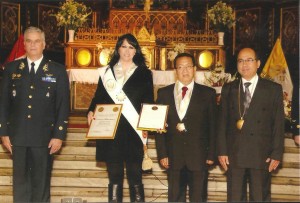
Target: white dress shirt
[182, 104]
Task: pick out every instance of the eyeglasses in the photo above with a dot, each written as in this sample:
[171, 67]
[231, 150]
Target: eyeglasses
[28, 41]
[184, 67]
[247, 61]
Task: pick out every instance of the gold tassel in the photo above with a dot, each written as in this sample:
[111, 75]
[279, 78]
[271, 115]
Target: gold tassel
[147, 162]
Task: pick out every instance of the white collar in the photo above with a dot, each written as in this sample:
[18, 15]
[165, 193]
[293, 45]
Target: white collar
[189, 86]
[36, 63]
[253, 80]
[253, 84]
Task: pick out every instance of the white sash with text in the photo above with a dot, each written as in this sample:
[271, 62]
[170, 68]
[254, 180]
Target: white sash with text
[115, 91]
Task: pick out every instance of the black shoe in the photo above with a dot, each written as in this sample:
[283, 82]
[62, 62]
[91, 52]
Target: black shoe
[115, 193]
[137, 193]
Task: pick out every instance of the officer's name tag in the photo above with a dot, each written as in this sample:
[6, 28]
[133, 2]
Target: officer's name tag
[48, 79]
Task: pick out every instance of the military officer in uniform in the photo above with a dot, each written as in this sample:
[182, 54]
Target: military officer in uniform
[34, 108]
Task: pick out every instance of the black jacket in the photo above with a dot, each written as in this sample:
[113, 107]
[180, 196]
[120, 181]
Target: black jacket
[193, 147]
[262, 135]
[34, 111]
[126, 145]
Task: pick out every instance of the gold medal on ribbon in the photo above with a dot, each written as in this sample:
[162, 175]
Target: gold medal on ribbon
[240, 123]
[180, 127]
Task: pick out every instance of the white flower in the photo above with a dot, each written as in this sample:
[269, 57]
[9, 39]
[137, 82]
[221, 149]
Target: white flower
[107, 51]
[217, 77]
[178, 48]
[287, 106]
[172, 55]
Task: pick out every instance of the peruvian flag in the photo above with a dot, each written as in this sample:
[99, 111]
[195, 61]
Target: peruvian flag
[18, 50]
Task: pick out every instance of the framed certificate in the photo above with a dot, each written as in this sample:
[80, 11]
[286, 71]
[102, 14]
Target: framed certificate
[153, 117]
[106, 121]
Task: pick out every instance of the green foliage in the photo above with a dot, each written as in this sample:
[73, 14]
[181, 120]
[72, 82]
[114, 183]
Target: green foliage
[72, 14]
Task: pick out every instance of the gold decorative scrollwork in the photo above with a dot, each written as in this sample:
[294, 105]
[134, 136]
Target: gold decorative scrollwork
[155, 35]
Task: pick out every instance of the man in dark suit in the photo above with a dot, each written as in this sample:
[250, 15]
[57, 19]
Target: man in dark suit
[251, 131]
[188, 146]
[34, 108]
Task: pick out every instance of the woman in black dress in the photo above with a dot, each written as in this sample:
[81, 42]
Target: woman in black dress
[129, 71]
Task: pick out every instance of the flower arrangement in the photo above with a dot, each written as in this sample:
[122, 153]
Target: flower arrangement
[221, 17]
[287, 106]
[217, 77]
[178, 48]
[72, 14]
[106, 53]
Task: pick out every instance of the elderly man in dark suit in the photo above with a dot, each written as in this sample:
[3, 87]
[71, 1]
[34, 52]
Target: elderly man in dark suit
[251, 131]
[188, 146]
[34, 108]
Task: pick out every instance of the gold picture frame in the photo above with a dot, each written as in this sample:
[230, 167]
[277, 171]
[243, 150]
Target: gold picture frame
[106, 121]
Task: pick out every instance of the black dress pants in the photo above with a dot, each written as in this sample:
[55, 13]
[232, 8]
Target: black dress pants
[259, 185]
[31, 174]
[178, 180]
[116, 173]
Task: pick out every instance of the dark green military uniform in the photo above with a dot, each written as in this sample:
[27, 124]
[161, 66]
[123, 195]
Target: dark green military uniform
[33, 110]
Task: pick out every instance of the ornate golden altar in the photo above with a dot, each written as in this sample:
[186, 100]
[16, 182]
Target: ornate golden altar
[157, 32]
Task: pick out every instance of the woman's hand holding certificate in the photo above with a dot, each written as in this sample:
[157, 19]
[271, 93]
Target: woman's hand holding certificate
[104, 121]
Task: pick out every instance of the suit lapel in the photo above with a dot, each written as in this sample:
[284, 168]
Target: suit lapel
[131, 81]
[25, 70]
[236, 97]
[192, 100]
[113, 72]
[134, 74]
[172, 105]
